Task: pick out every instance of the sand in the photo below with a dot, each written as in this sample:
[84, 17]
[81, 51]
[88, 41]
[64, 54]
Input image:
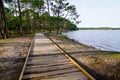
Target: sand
[12, 56]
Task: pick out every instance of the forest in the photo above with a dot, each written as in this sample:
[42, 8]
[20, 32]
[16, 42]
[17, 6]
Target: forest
[20, 17]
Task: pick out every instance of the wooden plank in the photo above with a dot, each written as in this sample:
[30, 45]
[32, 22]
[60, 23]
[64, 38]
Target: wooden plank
[49, 68]
[53, 64]
[40, 75]
[46, 62]
[47, 59]
[67, 76]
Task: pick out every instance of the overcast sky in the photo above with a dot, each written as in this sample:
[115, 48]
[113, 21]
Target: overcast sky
[98, 13]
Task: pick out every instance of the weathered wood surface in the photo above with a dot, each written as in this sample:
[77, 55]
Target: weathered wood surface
[47, 63]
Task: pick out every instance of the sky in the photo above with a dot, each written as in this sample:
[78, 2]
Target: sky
[98, 13]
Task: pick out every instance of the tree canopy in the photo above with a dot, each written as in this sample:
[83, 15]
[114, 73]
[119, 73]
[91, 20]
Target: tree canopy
[29, 16]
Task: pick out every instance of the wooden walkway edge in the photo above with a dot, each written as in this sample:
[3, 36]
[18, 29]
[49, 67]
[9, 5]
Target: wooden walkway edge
[46, 60]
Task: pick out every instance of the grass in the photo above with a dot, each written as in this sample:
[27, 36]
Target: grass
[117, 56]
[62, 36]
[96, 61]
[114, 55]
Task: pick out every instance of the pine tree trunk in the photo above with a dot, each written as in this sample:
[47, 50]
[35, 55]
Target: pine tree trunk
[48, 7]
[28, 21]
[64, 23]
[1, 34]
[3, 18]
[20, 16]
[1, 27]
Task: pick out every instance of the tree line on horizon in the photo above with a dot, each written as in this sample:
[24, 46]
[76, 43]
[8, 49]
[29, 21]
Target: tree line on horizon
[99, 28]
[19, 17]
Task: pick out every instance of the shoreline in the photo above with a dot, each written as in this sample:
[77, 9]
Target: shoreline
[110, 51]
[103, 65]
[102, 40]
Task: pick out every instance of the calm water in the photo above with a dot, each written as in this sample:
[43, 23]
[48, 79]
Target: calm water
[108, 40]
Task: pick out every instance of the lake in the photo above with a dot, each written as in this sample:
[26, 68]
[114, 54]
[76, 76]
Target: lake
[108, 40]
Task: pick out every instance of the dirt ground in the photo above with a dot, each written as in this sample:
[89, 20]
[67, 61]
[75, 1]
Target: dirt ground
[12, 56]
[100, 64]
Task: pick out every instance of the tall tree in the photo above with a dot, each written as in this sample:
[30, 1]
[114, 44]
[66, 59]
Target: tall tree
[70, 13]
[48, 6]
[20, 17]
[62, 8]
[38, 6]
[4, 21]
[58, 7]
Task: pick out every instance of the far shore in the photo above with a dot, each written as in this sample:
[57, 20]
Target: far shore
[98, 28]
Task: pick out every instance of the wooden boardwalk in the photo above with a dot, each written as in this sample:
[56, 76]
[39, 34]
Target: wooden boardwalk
[46, 62]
